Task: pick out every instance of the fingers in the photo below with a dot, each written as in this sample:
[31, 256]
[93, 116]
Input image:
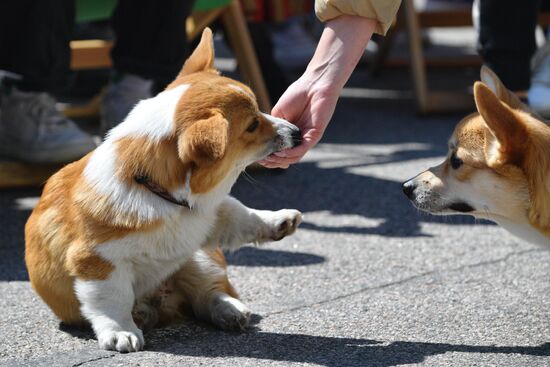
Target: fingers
[285, 158]
[296, 152]
[274, 162]
[273, 165]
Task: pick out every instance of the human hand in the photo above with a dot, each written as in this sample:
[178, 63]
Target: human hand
[308, 107]
[310, 101]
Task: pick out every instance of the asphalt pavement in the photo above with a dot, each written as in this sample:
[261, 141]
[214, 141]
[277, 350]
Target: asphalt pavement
[366, 281]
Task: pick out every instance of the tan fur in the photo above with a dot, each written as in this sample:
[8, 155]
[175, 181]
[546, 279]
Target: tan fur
[71, 220]
[57, 238]
[229, 105]
[157, 160]
[202, 57]
[489, 78]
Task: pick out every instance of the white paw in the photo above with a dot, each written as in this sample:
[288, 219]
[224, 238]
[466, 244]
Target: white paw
[283, 223]
[122, 341]
[229, 313]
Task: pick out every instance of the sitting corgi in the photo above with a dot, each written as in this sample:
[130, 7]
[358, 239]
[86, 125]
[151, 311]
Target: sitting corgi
[497, 168]
[130, 232]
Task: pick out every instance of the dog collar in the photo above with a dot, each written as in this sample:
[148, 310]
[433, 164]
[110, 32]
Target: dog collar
[160, 191]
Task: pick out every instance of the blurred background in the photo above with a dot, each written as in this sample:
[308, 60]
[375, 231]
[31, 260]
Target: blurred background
[70, 83]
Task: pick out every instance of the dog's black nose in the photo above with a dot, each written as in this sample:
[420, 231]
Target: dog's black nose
[296, 137]
[408, 189]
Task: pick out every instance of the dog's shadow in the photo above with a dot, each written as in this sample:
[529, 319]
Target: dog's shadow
[254, 256]
[188, 324]
[198, 340]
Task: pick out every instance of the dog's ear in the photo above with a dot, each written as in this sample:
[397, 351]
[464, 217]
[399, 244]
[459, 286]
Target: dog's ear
[202, 58]
[492, 81]
[205, 141]
[504, 124]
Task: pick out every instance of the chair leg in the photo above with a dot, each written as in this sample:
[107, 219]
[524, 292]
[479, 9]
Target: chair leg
[418, 66]
[239, 37]
[428, 101]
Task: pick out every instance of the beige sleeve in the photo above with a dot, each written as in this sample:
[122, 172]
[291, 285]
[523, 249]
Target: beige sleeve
[381, 10]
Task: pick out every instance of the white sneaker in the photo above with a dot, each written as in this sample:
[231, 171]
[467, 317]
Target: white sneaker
[121, 97]
[33, 130]
[538, 96]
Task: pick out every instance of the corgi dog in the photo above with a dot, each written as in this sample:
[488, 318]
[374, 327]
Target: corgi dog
[497, 167]
[131, 232]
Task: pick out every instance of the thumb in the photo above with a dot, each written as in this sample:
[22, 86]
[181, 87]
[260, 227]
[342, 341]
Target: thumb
[289, 106]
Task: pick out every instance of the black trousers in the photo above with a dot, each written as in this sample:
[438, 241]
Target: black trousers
[34, 39]
[507, 38]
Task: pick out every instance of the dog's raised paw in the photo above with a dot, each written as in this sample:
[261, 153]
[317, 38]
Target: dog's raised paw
[285, 223]
[121, 341]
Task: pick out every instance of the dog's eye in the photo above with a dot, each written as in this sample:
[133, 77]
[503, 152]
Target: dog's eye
[455, 161]
[253, 126]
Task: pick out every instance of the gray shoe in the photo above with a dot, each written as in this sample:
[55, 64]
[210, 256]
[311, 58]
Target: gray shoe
[120, 99]
[32, 130]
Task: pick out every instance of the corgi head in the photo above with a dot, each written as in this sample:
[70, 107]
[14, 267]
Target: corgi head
[218, 126]
[188, 144]
[497, 166]
[218, 121]
[204, 129]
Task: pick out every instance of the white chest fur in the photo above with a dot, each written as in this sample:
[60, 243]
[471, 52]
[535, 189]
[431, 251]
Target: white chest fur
[152, 256]
[147, 257]
[525, 232]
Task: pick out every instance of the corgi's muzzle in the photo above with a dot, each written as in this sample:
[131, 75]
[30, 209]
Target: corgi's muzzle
[288, 135]
[429, 200]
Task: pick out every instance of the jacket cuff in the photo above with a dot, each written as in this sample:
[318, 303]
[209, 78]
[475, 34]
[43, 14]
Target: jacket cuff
[383, 12]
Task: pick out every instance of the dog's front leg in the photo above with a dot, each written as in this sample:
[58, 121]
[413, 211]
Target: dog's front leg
[107, 305]
[237, 225]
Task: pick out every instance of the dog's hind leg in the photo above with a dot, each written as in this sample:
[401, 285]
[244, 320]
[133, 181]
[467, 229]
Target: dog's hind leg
[202, 285]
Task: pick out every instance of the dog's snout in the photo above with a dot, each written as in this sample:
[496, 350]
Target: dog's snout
[408, 189]
[296, 135]
[288, 134]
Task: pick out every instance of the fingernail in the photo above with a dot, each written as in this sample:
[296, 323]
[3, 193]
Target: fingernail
[280, 154]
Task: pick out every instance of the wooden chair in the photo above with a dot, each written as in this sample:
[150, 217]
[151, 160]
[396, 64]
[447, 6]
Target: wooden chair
[427, 100]
[94, 54]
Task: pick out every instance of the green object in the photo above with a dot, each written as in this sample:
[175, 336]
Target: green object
[203, 5]
[93, 10]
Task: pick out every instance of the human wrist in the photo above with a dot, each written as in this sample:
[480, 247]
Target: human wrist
[340, 48]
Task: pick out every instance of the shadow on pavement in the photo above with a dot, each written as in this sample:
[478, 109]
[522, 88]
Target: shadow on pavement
[197, 339]
[325, 351]
[253, 256]
[340, 192]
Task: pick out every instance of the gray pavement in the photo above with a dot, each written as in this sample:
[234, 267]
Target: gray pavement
[366, 281]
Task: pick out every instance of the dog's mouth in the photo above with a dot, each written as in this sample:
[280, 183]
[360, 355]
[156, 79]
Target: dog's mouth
[461, 207]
